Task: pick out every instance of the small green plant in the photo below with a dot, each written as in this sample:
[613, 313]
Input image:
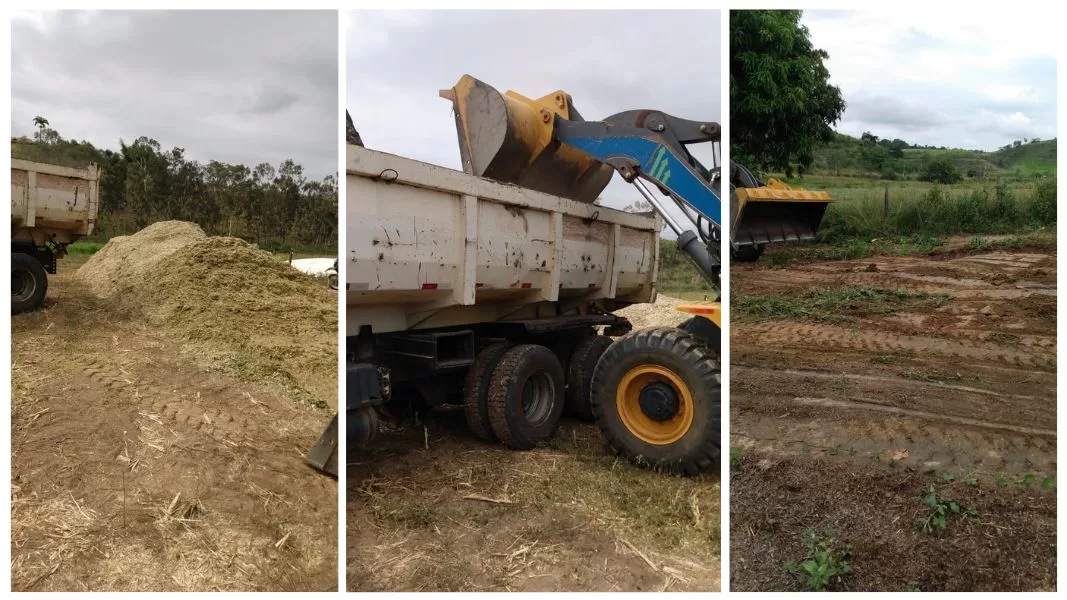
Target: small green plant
[1048, 483]
[824, 565]
[735, 461]
[1026, 481]
[948, 476]
[971, 480]
[913, 586]
[1002, 481]
[979, 243]
[940, 509]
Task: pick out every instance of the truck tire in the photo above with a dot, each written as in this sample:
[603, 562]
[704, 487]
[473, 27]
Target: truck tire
[747, 253]
[580, 375]
[476, 390]
[656, 395]
[526, 396]
[29, 283]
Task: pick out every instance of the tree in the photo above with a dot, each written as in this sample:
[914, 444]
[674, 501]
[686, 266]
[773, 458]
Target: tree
[40, 122]
[781, 101]
[941, 170]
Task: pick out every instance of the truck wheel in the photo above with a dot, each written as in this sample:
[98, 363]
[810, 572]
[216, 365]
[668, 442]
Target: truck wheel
[747, 253]
[29, 282]
[656, 396]
[526, 396]
[580, 374]
[476, 390]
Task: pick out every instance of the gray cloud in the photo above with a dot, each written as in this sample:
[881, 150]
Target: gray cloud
[608, 61]
[236, 86]
[894, 113]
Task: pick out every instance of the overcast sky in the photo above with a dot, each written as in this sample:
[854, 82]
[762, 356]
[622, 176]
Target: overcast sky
[607, 61]
[240, 87]
[943, 76]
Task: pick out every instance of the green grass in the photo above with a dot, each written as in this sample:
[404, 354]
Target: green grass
[831, 304]
[933, 211]
[85, 247]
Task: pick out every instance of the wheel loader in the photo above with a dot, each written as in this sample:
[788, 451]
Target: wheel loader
[513, 352]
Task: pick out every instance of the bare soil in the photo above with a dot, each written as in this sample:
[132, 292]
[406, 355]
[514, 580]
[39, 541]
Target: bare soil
[136, 467]
[431, 508]
[847, 424]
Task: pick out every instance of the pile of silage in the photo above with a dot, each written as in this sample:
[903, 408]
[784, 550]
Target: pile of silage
[232, 304]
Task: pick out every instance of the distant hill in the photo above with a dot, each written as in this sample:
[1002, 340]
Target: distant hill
[896, 159]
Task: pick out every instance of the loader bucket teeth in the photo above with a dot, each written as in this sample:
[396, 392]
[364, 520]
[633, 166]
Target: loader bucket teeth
[323, 455]
[509, 138]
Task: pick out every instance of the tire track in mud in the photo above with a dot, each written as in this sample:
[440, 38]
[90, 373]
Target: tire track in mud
[841, 390]
[931, 440]
[178, 406]
[822, 336]
[740, 369]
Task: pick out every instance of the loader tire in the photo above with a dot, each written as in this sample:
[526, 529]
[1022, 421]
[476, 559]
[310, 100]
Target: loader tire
[526, 396]
[580, 369]
[656, 395]
[476, 390]
[29, 283]
[747, 253]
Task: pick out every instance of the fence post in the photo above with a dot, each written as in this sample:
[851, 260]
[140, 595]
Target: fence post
[886, 207]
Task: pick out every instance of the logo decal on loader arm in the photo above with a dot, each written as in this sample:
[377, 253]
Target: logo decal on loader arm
[660, 170]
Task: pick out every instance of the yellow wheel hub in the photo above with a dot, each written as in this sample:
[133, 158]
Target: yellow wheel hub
[647, 429]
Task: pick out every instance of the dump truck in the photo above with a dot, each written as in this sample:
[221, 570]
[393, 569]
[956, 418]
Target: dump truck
[494, 288]
[52, 206]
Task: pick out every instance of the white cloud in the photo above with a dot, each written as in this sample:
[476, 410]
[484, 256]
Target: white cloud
[609, 61]
[981, 74]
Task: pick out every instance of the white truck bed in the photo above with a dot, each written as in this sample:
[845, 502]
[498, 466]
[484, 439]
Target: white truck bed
[53, 203]
[434, 247]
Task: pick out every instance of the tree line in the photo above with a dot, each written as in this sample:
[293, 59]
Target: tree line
[277, 208]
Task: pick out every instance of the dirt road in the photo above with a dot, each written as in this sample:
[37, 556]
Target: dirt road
[900, 373]
[431, 508]
[135, 469]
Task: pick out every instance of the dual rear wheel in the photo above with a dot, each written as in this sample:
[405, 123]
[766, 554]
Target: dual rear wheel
[654, 393]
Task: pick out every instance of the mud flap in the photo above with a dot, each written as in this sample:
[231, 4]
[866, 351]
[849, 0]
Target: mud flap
[323, 455]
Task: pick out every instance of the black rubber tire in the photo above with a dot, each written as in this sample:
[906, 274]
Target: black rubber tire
[580, 375]
[707, 331]
[35, 281]
[476, 390]
[506, 396]
[694, 363]
[747, 253]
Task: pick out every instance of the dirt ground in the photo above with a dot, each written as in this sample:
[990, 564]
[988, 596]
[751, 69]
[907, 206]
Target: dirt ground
[846, 424]
[431, 508]
[135, 468]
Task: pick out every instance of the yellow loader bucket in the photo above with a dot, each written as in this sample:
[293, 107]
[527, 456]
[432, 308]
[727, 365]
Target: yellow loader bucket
[775, 213]
[508, 138]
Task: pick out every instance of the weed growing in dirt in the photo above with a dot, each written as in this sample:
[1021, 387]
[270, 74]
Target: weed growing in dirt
[824, 564]
[1026, 481]
[854, 248]
[913, 586]
[979, 243]
[940, 509]
[832, 304]
[1048, 483]
[735, 461]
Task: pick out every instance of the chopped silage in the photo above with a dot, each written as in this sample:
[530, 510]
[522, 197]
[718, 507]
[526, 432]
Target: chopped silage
[233, 305]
